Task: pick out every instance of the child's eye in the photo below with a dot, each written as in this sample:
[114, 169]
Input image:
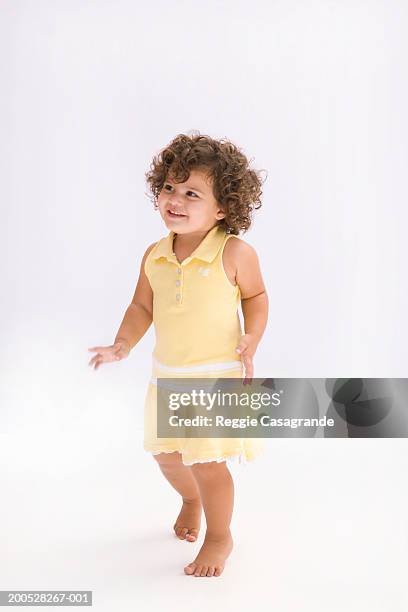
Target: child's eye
[165, 187]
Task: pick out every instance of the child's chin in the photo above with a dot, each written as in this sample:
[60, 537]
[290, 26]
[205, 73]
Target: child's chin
[182, 223]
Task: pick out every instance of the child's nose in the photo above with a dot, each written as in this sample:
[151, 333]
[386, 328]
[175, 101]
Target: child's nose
[175, 200]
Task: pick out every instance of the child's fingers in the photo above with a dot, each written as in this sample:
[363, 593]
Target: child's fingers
[99, 358]
[102, 349]
[95, 364]
[249, 366]
[243, 344]
[115, 352]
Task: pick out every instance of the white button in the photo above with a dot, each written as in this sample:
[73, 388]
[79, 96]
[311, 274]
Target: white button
[179, 270]
[177, 283]
[178, 296]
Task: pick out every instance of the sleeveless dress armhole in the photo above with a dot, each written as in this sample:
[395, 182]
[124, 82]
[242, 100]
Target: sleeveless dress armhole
[148, 261]
[221, 264]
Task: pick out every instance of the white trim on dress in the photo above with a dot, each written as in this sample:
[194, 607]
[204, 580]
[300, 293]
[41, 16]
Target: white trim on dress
[207, 367]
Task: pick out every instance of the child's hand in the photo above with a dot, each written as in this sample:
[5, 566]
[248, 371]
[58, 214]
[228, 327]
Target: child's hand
[246, 348]
[117, 351]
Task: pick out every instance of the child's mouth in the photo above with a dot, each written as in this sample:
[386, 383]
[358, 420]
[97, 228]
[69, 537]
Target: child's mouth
[174, 216]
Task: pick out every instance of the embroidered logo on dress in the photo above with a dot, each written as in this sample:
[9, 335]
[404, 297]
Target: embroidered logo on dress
[204, 271]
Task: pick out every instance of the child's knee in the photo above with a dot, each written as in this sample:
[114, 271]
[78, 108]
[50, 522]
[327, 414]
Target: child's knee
[210, 469]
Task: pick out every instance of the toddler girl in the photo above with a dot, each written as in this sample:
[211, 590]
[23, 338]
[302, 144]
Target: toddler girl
[190, 285]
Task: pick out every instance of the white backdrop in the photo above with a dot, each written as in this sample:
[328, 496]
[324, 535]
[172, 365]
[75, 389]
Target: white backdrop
[315, 92]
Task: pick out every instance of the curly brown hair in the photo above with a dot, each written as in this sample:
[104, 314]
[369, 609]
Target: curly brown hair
[236, 187]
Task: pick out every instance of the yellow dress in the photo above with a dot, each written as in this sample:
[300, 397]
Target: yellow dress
[197, 328]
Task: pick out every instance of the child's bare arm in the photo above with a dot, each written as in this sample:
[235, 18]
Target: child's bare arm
[254, 299]
[139, 314]
[242, 257]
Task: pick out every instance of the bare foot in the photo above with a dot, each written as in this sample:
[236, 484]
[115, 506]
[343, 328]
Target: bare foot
[212, 556]
[187, 523]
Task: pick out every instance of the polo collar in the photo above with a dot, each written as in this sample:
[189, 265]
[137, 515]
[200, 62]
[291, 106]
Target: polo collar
[206, 250]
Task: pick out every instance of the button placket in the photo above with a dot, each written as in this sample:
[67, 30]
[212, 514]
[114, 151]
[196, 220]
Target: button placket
[178, 284]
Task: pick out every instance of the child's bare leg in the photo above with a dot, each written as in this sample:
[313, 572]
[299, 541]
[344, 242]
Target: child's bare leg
[181, 478]
[217, 495]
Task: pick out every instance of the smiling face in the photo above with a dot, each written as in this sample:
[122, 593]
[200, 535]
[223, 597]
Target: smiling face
[194, 202]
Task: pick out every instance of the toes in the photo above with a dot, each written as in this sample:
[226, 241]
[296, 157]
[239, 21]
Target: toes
[190, 569]
[192, 535]
[202, 570]
[181, 532]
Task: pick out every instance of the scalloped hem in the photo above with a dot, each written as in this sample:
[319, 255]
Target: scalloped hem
[239, 458]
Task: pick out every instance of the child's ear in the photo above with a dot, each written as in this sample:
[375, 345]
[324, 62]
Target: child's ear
[220, 214]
